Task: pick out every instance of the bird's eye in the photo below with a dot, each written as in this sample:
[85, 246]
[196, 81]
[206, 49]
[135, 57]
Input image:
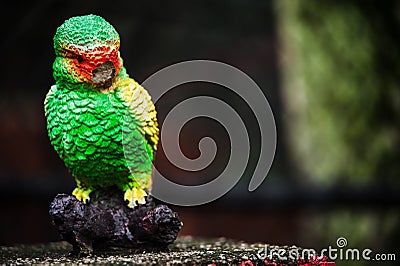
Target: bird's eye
[79, 58]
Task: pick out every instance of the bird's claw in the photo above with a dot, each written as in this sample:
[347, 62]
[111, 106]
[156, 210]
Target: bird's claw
[82, 194]
[135, 196]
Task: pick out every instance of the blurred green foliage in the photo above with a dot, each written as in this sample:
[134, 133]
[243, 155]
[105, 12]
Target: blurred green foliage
[341, 94]
[341, 69]
[361, 227]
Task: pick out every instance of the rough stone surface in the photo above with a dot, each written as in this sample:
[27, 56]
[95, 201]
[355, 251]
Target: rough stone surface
[106, 221]
[184, 251]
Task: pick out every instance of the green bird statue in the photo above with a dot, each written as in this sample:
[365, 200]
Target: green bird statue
[101, 122]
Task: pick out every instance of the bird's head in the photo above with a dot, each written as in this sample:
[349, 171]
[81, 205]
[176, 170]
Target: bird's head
[87, 52]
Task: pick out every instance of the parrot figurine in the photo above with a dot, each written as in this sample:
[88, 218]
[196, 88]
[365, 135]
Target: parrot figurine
[101, 122]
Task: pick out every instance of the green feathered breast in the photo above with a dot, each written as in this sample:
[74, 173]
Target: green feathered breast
[86, 130]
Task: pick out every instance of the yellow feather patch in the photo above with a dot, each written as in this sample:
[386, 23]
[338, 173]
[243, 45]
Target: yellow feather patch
[142, 107]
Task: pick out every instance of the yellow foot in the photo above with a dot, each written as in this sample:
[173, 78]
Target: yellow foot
[82, 194]
[135, 196]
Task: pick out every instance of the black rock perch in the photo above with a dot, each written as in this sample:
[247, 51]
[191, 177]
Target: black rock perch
[106, 221]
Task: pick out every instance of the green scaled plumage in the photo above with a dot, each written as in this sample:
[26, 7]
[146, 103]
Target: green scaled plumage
[101, 122]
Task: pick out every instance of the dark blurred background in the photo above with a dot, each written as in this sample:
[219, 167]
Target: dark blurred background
[330, 71]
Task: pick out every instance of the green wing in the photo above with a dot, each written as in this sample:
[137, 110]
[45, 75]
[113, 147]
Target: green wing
[140, 130]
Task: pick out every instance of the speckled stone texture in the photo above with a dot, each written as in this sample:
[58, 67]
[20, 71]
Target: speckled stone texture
[106, 222]
[184, 251]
